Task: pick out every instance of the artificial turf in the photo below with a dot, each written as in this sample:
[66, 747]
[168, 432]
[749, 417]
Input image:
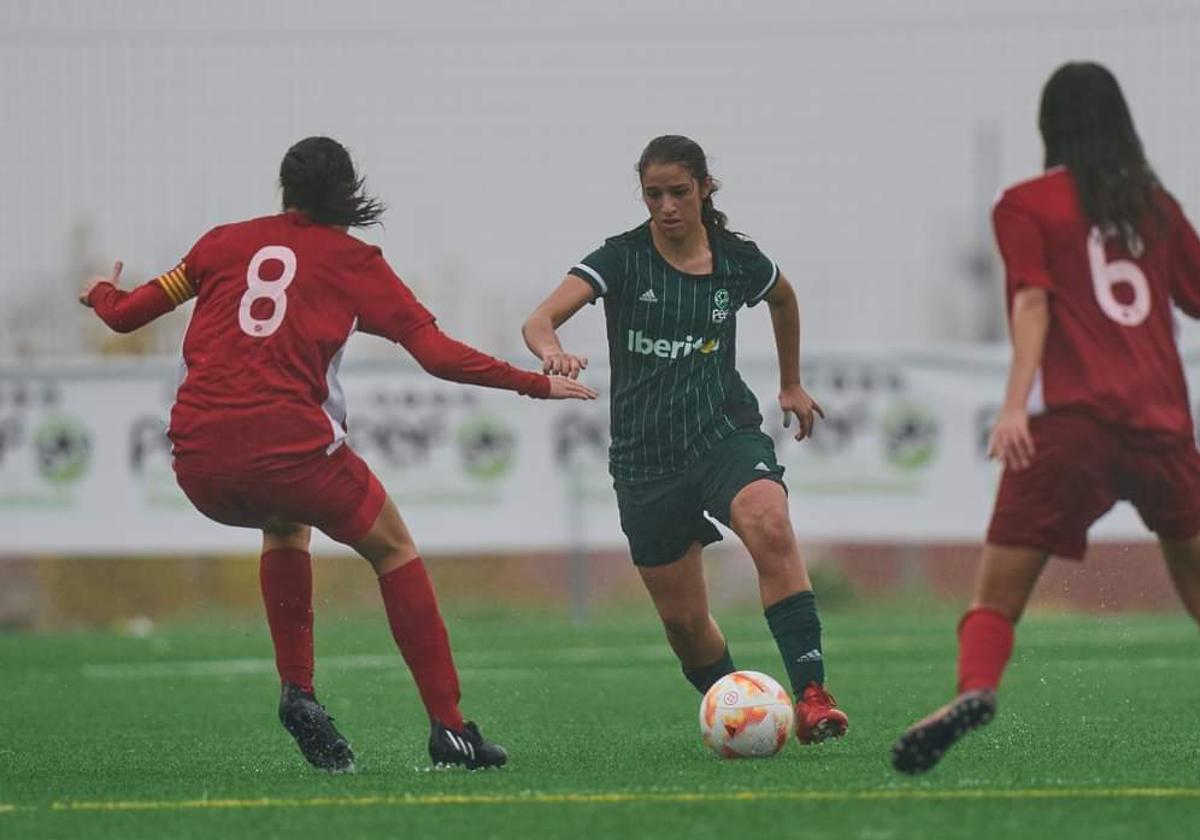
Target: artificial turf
[174, 734]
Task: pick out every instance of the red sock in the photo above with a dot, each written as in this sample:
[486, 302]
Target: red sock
[985, 642]
[285, 575]
[417, 627]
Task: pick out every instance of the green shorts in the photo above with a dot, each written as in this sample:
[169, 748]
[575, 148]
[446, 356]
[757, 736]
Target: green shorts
[662, 517]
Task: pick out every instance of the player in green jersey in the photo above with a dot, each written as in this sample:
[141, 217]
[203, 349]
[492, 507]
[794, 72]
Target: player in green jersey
[686, 436]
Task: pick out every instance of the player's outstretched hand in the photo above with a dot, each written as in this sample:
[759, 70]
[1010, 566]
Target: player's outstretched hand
[795, 400]
[1011, 443]
[563, 364]
[565, 388]
[114, 279]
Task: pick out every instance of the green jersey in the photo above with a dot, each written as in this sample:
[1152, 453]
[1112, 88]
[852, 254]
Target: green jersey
[671, 348]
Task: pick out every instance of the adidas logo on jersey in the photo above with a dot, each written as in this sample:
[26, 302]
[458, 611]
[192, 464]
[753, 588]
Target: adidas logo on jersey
[667, 349]
[648, 296]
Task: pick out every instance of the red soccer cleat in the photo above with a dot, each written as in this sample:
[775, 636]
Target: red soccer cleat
[818, 717]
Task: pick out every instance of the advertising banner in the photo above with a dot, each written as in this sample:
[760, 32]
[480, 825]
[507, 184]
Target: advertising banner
[901, 456]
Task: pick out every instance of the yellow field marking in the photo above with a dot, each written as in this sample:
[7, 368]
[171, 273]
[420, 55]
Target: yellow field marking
[620, 797]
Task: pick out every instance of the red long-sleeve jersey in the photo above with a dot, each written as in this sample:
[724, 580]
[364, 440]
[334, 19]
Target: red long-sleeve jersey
[276, 299]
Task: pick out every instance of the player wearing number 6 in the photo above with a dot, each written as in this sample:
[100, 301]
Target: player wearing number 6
[258, 429]
[1096, 252]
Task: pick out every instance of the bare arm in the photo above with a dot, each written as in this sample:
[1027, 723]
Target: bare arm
[1011, 441]
[539, 328]
[1029, 282]
[785, 322]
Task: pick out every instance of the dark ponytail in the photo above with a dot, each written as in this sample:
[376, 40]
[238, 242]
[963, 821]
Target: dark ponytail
[1086, 127]
[674, 148]
[318, 179]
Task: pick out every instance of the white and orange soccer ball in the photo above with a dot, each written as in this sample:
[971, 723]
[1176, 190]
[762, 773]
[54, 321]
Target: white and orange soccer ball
[746, 715]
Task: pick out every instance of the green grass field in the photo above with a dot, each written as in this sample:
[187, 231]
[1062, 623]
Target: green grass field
[104, 735]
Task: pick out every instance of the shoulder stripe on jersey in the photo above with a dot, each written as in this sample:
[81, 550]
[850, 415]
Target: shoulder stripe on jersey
[595, 275]
[176, 284]
[770, 284]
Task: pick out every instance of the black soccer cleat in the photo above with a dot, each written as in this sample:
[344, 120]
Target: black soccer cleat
[926, 741]
[466, 748]
[312, 727]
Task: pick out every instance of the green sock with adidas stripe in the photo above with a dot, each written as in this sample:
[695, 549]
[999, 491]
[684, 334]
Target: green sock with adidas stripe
[797, 631]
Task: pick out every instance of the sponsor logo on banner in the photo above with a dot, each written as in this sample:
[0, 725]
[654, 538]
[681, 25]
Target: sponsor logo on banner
[44, 451]
[432, 444]
[488, 447]
[149, 448]
[841, 426]
[910, 436]
[63, 447]
[877, 438]
[149, 459]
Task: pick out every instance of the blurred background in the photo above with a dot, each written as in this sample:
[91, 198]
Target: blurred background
[861, 144]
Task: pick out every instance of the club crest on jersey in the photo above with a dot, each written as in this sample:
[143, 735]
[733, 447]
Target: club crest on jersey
[720, 306]
[664, 348]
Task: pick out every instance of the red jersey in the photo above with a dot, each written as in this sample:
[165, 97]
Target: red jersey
[277, 297]
[276, 300]
[1111, 348]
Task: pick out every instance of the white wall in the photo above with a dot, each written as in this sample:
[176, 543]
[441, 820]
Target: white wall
[503, 135]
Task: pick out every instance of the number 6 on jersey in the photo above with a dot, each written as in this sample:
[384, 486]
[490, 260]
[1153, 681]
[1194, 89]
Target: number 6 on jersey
[273, 290]
[1105, 277]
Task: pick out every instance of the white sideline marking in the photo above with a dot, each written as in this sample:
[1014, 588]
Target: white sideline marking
[616, 657]
[635, 654]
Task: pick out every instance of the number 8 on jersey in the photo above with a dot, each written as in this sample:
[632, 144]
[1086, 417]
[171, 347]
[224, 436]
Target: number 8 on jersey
[259, 289]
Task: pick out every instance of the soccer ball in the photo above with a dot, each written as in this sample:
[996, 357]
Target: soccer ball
[746, 715]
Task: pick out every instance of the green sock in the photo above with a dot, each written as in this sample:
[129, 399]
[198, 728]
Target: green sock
[704, 676]
[797, 631]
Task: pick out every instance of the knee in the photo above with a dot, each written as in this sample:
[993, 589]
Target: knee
[768, 530]
[392, 556]
[776, 529]
[388, 545]
[399, 545]
[685, 625]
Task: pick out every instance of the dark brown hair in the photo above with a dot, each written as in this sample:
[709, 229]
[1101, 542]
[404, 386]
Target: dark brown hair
[1086, 127]
[318, 179]
[674, 148]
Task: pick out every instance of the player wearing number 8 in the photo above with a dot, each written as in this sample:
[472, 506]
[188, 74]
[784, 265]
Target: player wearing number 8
[1096, 253]
[258, 429]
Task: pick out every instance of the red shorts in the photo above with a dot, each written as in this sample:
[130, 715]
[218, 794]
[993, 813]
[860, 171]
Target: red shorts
[1083, 467]
[337, 494]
